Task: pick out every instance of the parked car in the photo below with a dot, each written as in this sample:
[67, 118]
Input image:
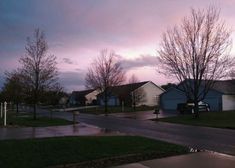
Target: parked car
[189, 107]
[203, 106]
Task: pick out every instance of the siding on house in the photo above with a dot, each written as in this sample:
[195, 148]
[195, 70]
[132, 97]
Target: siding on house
[172, 97]
[152, 93]
[214, 99]
[91, 97]
[112, 101]
[221, 96]
[125, 93]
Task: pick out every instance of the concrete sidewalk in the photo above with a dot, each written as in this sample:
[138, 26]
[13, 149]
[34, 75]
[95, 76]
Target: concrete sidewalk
[80, 129]
[194, 160]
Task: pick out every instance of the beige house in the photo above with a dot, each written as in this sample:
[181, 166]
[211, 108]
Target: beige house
[84, 97]
[151, 91]
[137, 94]
[91, 97]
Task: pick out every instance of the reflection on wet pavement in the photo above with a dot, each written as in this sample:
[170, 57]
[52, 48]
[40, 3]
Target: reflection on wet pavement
[80, 129]
[143, 115]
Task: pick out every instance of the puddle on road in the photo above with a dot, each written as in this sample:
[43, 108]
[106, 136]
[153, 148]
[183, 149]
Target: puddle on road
[84, 129]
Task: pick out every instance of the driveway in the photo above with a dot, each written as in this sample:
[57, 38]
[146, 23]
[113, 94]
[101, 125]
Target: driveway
[204, 138]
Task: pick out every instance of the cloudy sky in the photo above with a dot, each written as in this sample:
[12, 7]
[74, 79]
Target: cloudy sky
[76, 30]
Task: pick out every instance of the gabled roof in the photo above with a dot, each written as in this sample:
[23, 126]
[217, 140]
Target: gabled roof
[172, 88]
[123, 90]
[225, 86]
[126, 89]
[222, 86]
[80, 95]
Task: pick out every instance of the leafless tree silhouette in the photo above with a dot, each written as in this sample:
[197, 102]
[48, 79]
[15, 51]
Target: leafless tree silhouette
[38, 68]
[105, 72]
[197, 53]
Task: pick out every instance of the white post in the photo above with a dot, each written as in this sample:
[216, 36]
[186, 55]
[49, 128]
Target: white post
[5, 113]
[1, 109]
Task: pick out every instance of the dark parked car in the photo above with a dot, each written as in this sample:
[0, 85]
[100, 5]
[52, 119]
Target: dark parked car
[203, 106]
[189, 107]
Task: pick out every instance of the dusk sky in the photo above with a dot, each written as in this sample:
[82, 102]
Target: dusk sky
[76, 31]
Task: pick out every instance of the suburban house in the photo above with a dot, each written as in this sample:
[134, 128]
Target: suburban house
[220, 98]
[84, 97]
[141, 93]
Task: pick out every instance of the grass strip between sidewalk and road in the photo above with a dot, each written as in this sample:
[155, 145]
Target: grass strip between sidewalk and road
[225, 119]
[38, 153]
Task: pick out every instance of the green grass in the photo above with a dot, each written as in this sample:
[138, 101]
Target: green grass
[28, 121]
[38, 153]
[100, 110]
[224, 119]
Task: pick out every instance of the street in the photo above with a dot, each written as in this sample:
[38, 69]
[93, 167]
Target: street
[203, 138]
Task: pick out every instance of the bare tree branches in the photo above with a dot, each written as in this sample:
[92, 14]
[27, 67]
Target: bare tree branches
[198, 49]
[105, 72]
[133, 79]
[38, 68]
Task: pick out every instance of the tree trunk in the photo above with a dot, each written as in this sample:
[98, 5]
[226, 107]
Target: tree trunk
[134, 106]
[17, 108]
[34, 111]
[36, 92]
[106, 102]
[51, 113]
[196, 109]
[134, 100]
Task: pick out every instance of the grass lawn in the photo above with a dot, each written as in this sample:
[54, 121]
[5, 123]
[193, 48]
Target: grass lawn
[38, 153]
[224, 119]
[100, 110]
[27, 120]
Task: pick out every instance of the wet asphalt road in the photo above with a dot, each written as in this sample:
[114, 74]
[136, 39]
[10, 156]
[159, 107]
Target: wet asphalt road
[204, 138]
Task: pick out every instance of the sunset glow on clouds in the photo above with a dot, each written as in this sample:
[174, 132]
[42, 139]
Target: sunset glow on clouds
[77, 30]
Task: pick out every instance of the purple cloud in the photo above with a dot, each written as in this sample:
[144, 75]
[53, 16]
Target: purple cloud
[142, 61]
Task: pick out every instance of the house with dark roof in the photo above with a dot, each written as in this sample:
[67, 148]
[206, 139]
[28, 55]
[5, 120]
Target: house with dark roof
[220, 98]
[84, 97]
[141, 93]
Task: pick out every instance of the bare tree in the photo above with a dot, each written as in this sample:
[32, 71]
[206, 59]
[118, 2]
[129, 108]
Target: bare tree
[197, 53]
[232, 75]
[133, 79]
[105, 72]
[38, 68]
[138, 95]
